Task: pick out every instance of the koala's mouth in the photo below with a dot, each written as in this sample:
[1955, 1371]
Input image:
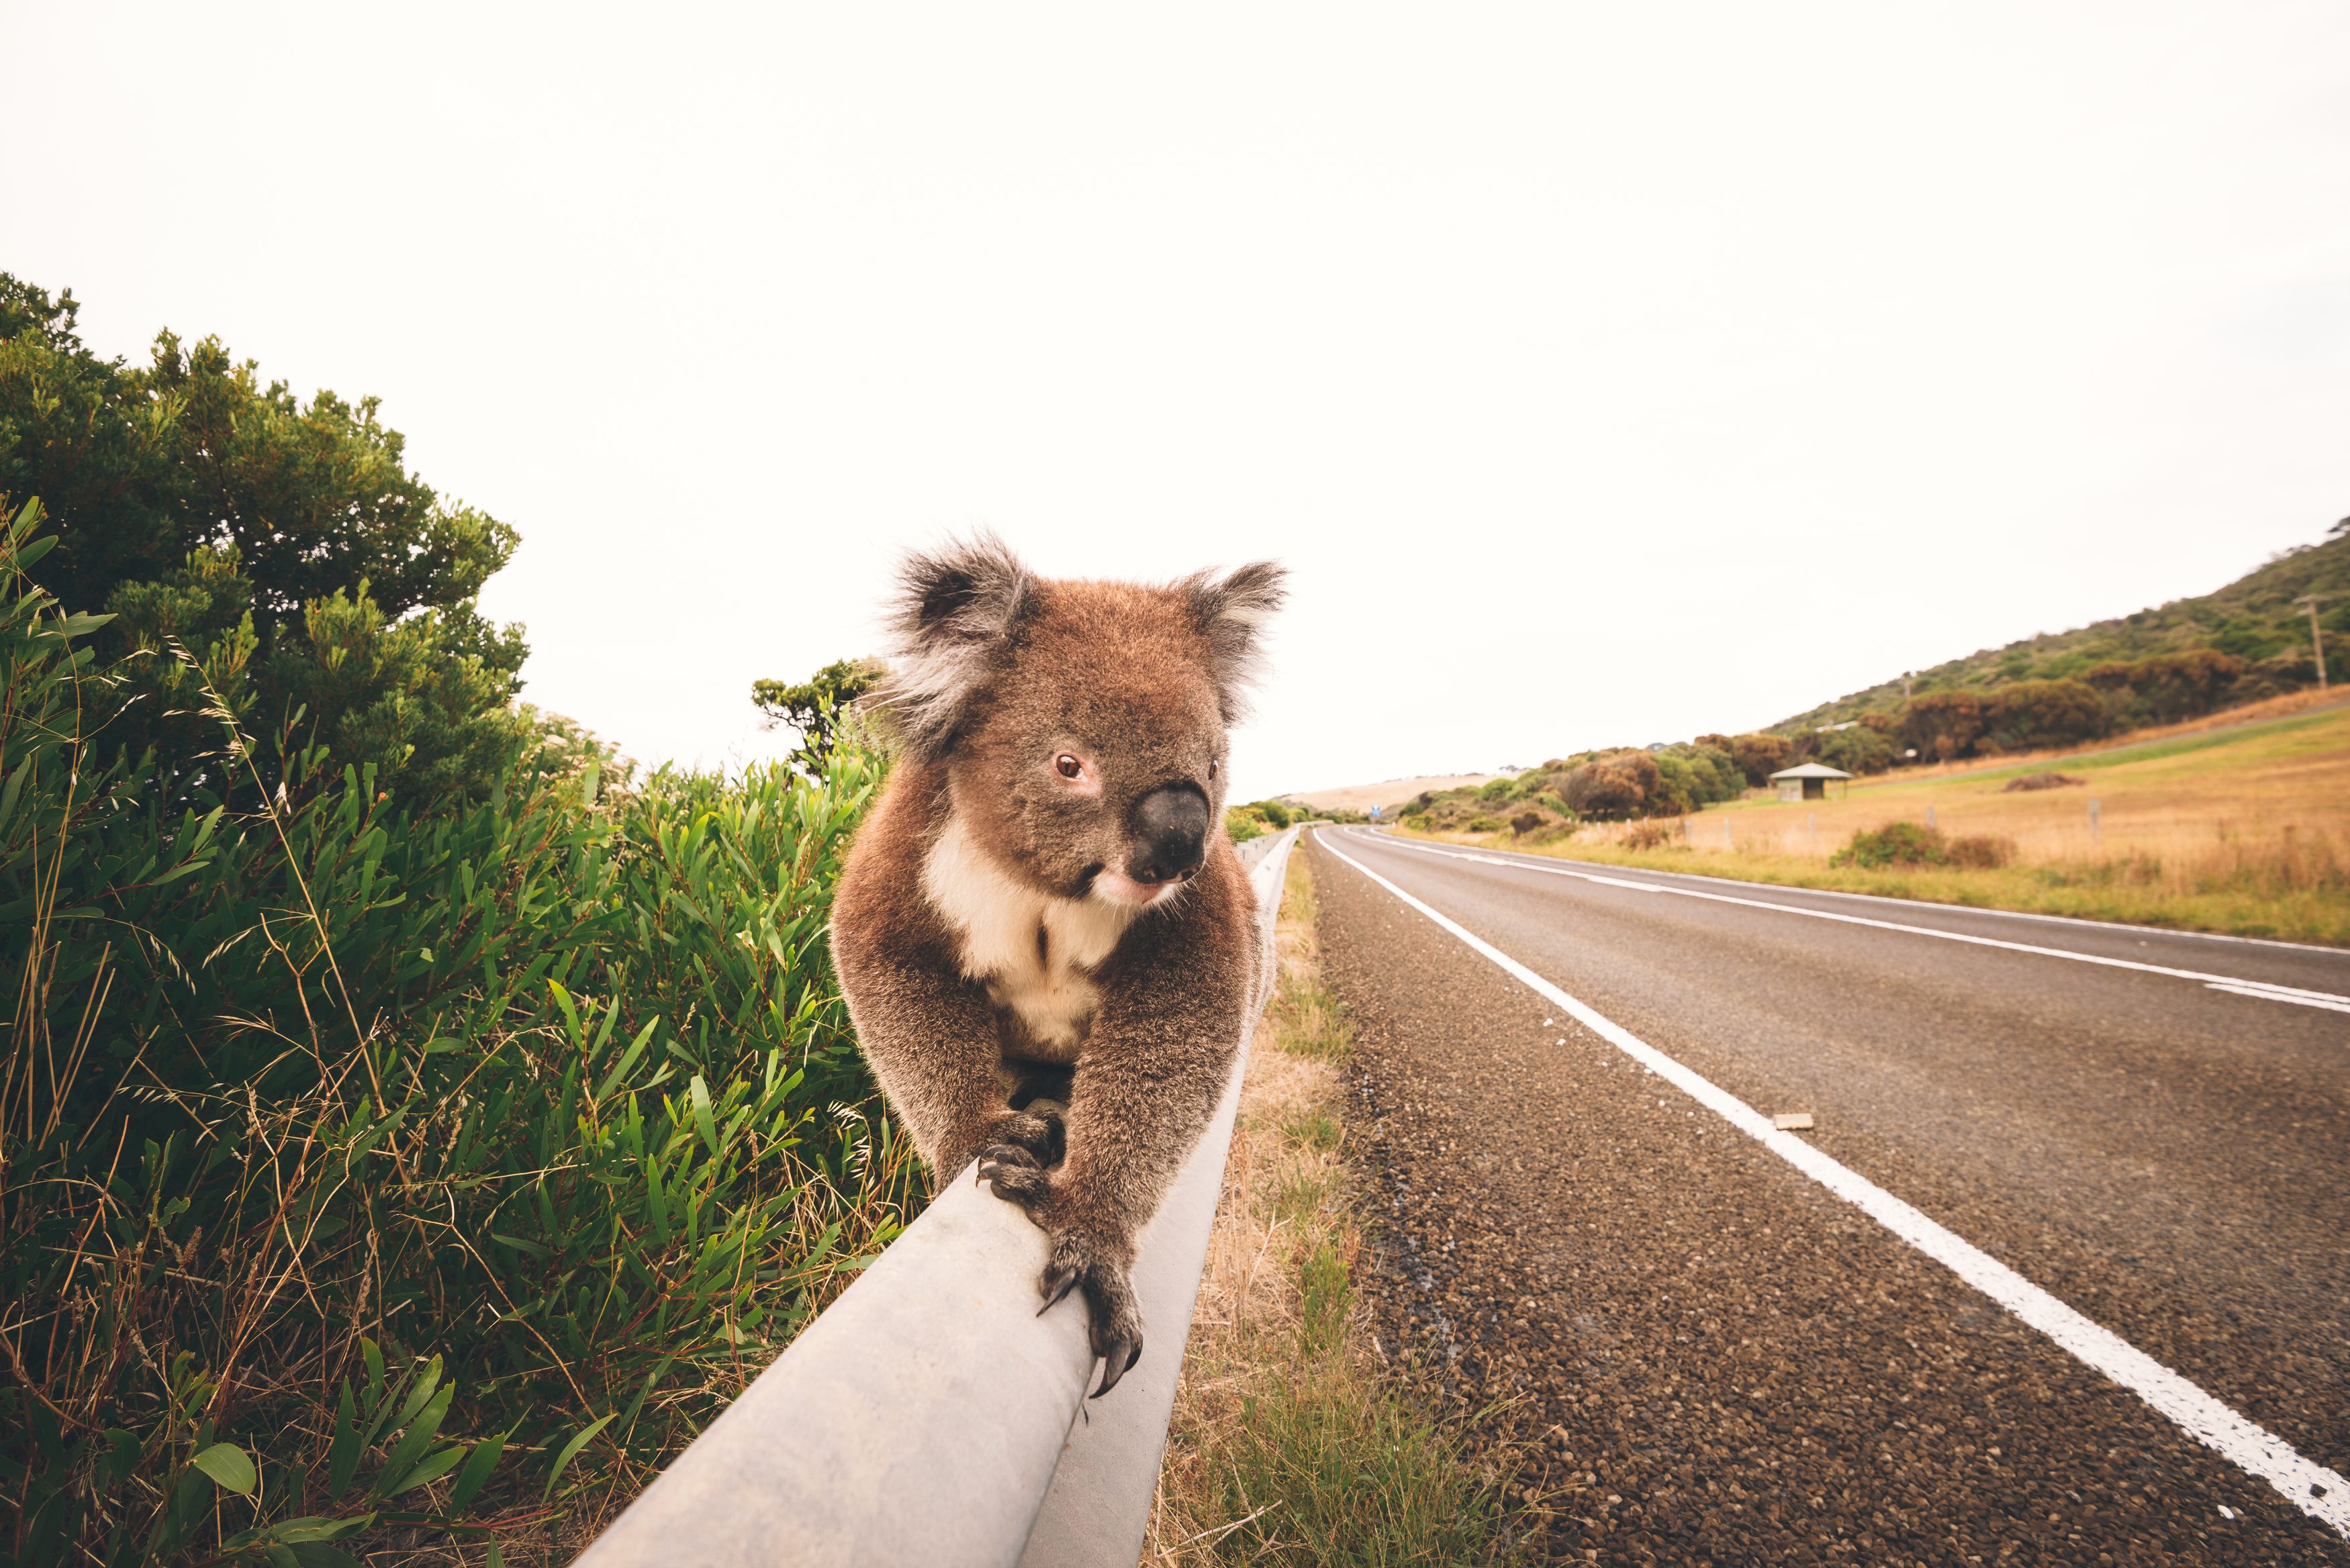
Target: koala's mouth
[1118, 888]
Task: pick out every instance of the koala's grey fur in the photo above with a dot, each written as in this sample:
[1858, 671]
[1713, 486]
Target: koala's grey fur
[1040, 981]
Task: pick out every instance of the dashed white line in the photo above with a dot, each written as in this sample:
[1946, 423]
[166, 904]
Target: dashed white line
[2237, 985]
[2313, 1488]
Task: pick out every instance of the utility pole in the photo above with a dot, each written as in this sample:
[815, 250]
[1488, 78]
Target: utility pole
[2317, 640]
[1905, 685]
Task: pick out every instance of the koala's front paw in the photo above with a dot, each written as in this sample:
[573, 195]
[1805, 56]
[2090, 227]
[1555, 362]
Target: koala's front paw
[1019, 1147]
[1114, 1318]
[1012, 1173]
[1036, 1136]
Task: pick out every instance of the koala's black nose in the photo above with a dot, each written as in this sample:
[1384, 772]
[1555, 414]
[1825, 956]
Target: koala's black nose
[1171, 830]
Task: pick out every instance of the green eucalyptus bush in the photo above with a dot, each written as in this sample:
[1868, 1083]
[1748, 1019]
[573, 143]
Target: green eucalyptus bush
[284, 546]
[371, 1176]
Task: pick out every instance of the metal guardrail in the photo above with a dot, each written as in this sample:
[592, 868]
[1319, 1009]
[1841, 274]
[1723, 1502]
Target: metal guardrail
[930, 1416]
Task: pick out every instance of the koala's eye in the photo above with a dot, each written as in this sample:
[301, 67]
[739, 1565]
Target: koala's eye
[1067, 766]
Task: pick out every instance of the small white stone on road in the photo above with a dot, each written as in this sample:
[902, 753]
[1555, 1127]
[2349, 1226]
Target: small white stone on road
[1793, 1121]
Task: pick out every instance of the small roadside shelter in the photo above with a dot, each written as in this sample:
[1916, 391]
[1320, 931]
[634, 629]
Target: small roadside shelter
[1809, 782]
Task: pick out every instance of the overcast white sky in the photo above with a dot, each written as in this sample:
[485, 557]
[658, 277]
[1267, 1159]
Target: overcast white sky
[1604, 374]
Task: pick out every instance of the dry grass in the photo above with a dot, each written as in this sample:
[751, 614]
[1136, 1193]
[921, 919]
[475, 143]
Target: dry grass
[1287, 1445]
[2243, 829]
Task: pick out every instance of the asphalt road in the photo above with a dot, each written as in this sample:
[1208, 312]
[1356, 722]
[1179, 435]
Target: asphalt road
[1721, 1357]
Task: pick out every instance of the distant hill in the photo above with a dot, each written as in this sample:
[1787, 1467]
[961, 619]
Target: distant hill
[2252, 617]
[1386, 796]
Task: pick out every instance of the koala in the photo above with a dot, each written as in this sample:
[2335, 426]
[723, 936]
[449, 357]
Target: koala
[1048, 947]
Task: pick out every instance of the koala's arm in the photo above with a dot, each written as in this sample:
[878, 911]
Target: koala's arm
[928, 1034]
[930, 1038]
[1155, 1064]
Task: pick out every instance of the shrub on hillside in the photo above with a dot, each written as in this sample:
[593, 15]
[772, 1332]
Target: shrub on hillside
[1757, 756]
[1859, 750]
[1613, 787]
[1693, 776]
[1647, 834]
[2169, 687]
[2034, 713]
[1727, 780]
[1915, 843]
[2287, 671]
[1942, 725]
[1982, 851]
[1677, 791]
[1241, 825]
[1274, 812]
[1895, 843]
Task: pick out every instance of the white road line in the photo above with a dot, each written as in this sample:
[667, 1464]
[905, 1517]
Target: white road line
[2273, 995]
[2309, 1486]
[2265, 990]
[2108, 926]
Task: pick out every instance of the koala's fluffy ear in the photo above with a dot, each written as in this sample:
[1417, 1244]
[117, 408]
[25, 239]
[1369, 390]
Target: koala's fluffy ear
[956, 609]
[1233, 612]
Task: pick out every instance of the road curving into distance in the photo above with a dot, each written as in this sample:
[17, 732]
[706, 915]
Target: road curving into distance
[2058, 1274]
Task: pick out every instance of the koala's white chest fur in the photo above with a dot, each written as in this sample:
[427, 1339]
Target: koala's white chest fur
[1035, 954]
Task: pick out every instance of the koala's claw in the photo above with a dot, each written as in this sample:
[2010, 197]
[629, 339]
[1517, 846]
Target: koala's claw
[1014, 1175]
[1114, 1320]
[1039, 1131]
[1115, 1366]
[1059, 1281]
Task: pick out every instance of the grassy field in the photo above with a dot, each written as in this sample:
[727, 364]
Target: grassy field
[2243, 829]
[1288, 1444]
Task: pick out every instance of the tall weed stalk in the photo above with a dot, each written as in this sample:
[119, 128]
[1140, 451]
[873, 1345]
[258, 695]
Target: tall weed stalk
[371, 1179]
